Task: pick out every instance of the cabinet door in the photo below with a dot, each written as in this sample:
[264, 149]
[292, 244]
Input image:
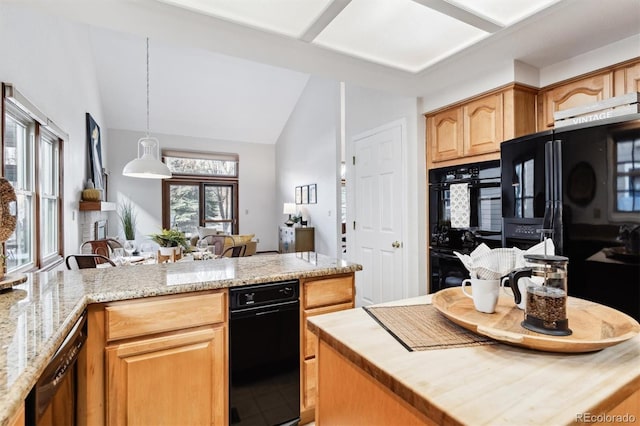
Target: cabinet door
[581, 92]
[444, 130]
[172, 379]
[627, 79]
[309, 340]
[483, 125]
[287, 240]
[305, 239]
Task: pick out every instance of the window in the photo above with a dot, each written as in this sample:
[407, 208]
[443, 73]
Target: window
[32, 160]
[627, 175]
[202, 192]
[523, 188]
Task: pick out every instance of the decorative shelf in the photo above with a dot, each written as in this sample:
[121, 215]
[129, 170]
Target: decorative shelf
[101, 206]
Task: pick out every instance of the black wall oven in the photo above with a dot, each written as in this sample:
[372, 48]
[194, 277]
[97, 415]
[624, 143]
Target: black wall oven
[485, 223]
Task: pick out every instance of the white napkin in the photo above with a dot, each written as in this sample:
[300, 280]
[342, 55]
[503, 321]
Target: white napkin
[537, 249]
[460, 205]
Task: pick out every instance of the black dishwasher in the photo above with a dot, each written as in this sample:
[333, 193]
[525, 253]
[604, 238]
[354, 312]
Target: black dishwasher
[53, 398]
[264, 354]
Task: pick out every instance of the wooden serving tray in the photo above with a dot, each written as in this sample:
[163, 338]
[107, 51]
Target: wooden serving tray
[594, 326]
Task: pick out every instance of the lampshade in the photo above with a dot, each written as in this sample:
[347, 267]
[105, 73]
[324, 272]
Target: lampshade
[147, 165]
[289, 208]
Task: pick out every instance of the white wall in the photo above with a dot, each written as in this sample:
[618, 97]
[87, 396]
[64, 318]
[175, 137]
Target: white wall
[308, 151]
[49, 61]
[499, 74]
[256, 186]
[367, 109]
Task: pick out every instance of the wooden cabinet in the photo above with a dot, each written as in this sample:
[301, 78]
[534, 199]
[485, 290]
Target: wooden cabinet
[476, 128]
[444, 130]
[18, 419]
[570, 95]
[626, 79]
[294, 239]
[158, 360]
[613, 81]
[171, 379]
[318, 296]
[483, 125]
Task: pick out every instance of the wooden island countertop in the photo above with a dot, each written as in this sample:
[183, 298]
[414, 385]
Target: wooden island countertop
[366, 375]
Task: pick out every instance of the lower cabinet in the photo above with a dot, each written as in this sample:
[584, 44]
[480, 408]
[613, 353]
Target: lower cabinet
[174, 379]
[18, 418]
[318, 296]
[156, 361]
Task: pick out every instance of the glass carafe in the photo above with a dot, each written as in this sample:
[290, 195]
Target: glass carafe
[546, 302]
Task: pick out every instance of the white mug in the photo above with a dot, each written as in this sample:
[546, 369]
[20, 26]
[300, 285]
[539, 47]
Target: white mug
[484, 294]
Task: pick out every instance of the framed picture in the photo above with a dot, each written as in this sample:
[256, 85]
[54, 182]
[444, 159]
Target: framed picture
[94, 147]
[305, 194]
[298, 195]
[313, 195]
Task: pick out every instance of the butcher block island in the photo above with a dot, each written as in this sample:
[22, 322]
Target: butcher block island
[366, 376]
[153, 331]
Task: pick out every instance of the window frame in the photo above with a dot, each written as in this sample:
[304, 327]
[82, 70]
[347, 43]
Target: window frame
[202, 181]
[615, 139]
[16, 105]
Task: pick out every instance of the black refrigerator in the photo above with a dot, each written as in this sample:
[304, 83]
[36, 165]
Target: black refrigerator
[580, 185]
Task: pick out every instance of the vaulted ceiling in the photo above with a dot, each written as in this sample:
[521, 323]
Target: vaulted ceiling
[234, 69]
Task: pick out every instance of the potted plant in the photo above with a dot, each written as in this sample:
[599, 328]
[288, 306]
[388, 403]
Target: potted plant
[128, 220]
[169, 240]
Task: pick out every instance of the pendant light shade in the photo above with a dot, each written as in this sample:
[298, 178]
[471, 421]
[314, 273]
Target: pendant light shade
[148, 164]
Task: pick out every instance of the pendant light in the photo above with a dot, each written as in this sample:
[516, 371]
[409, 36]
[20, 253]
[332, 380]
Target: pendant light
[148, 164]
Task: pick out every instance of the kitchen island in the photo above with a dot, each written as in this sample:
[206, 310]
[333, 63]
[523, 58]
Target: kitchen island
[365, 376]
[36, 316]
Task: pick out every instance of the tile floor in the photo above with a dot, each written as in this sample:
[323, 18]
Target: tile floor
[264, 404]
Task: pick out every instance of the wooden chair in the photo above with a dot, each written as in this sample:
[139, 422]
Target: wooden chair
[86, 261]
[103, 247]
[235, 251]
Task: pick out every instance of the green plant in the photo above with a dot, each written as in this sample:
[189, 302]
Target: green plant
[170, 238]
[128, 220]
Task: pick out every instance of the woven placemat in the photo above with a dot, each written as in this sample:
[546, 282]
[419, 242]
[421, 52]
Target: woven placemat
[422, 328]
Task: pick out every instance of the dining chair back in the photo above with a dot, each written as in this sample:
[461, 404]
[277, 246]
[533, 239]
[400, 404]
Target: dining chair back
[235, 251]
[86, 261]
[103, 247]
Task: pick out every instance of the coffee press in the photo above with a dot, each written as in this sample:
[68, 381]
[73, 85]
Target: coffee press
[546, 299]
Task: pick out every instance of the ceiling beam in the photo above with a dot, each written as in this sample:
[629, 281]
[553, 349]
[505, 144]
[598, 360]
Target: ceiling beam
[461, 14]
[325, 18]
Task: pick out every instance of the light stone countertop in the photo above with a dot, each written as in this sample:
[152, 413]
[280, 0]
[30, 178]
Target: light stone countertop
[36, 316]
[488, 384]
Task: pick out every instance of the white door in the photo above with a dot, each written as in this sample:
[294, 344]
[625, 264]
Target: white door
[378, 215]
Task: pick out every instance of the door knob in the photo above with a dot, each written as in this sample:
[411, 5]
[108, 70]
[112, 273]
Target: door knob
[396, 244]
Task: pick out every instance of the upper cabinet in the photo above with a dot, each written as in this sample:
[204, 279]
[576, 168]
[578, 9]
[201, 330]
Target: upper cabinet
[608, 83]
[477, 127]
[580, 92]
[444, 130]
[627, 79]
[483, 125]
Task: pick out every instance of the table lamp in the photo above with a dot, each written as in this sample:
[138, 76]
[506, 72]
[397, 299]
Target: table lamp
[289, 208]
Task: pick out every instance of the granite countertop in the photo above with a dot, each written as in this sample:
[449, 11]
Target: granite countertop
[487, 384]
[36, 316]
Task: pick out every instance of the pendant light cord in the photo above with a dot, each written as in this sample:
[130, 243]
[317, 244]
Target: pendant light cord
[147, 86]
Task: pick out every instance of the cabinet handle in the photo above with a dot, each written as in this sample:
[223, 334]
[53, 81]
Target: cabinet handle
[396, 244]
